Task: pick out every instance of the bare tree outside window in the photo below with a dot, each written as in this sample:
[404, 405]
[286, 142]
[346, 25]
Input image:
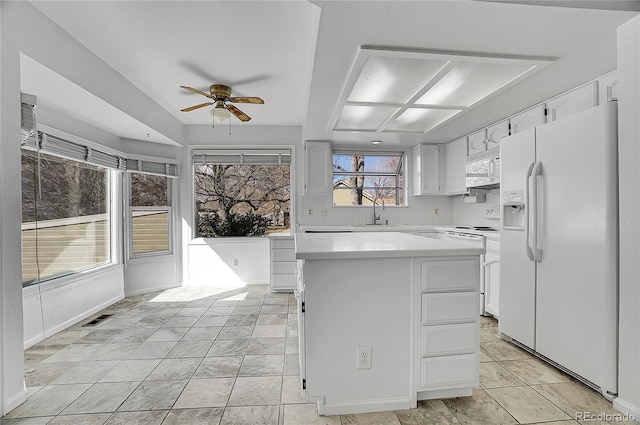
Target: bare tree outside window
[241, 199]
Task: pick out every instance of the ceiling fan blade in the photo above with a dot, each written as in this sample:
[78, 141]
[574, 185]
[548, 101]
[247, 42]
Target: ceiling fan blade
[238, 113]
[191, 108]
[191, 89]
[246, 100]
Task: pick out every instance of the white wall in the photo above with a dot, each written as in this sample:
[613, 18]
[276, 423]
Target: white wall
[224, 261]
[53, 306]
[11, 357]
[54, 48]
[629, 197]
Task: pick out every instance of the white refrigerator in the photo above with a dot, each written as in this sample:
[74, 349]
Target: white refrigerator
[559, 243]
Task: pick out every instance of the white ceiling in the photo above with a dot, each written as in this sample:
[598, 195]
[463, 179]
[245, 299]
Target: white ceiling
[297, 55]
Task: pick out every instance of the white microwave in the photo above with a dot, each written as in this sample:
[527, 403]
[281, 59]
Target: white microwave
[483, 172]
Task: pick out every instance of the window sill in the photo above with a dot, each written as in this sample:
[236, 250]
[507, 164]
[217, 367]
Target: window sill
[74, 277]
[151, 256]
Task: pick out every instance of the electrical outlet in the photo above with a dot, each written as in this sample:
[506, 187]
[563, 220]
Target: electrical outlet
[324, 211]
[310, 212]
[435, 211]
[236, 262]
[364, 357]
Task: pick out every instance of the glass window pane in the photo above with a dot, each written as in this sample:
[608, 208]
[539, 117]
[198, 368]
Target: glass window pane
[148, 190]
[242, 200]
[361, 178]
[149, 231]
[65, 216]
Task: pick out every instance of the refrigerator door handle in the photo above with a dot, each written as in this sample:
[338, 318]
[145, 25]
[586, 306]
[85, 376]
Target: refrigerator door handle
[533, 181]
[526, 213]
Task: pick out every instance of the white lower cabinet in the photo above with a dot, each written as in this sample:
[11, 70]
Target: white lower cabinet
[492, 276]
[283, 263]
[448, 327]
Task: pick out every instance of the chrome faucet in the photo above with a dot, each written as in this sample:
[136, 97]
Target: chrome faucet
[376, 217]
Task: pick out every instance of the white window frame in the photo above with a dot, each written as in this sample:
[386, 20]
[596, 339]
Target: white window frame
[258, 148]
[355, 151]
[129, 220]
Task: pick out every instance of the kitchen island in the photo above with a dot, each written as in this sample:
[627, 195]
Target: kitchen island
[386, 319]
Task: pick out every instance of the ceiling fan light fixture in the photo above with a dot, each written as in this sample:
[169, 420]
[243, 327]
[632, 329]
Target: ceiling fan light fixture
[220, 115]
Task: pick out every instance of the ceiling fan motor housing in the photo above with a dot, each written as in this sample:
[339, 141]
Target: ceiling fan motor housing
[220, 90]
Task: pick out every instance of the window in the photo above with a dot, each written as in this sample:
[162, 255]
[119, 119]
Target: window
[242, 193]
[66, 218]
[150, 214]
[361, 178]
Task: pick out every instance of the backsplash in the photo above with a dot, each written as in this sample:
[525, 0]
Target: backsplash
[474, 214]
[421, 210]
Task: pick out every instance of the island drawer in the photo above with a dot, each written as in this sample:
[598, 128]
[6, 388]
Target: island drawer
[450, 275]
[444, 340]
[445, 308]
[449, 371]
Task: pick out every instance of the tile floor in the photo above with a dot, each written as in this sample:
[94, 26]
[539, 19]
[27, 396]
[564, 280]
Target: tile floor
[214, 356]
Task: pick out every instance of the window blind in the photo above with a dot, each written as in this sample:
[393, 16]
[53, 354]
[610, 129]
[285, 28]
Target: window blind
[28, 120]
[248, 156]
[152, 167]
[35, 140]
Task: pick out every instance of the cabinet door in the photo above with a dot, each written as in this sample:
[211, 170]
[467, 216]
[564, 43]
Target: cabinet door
[497, 132]
[318, 165]
[426, 170]
[607, 87]
[492, 282]
[528, 119]
[477, 142]
[577, 100]
[456, 155]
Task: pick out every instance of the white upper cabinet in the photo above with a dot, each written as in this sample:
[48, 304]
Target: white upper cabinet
[528, 119]
[477, 142]
[318, 168]
[607, 87]
[574, 101]
[456, 155]
[497, 132]
[426, 170]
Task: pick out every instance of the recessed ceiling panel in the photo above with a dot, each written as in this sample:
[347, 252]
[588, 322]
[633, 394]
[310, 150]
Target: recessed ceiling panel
[470, 82]
[415, 91]
[392, 79]
[420, 120]
[366, 118]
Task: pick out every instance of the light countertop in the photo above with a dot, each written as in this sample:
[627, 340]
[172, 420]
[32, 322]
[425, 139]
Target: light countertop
[324, 246]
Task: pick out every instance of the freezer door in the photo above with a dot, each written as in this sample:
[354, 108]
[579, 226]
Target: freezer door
[517, 289]
[577, 281]
[517, 152]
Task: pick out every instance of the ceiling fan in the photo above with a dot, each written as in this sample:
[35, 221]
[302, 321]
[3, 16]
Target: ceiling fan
[221, 96]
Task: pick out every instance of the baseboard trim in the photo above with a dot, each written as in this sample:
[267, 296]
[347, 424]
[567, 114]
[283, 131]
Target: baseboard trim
[15, 400]
[380, 405]
[627, 408]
